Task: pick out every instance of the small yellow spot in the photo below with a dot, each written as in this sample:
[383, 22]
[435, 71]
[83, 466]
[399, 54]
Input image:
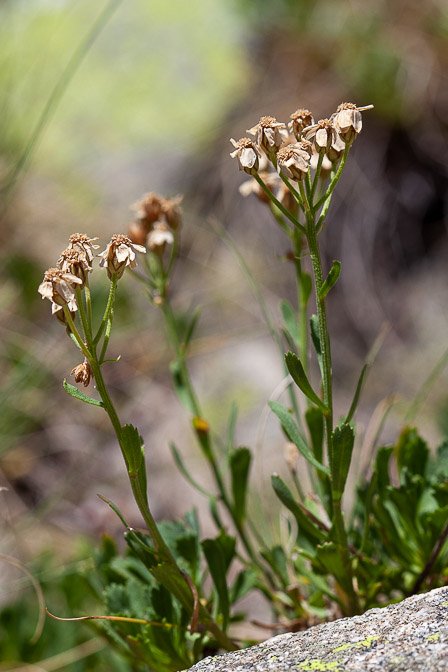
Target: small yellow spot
[200, 425]
[444, 604]
[319, 665]
[433, 638]
[366, 643]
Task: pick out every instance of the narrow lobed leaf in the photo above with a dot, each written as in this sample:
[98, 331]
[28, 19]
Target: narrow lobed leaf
[330, 280]
[77, 394]
[299, 376]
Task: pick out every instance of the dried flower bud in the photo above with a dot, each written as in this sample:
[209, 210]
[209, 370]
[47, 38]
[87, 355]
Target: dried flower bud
[172, 212]
[300, 119]
[336, 149]
[82, 243]
[248, 155]
[294, 160]
[59, 287]
[137, 232]
[323, 134]
[291, 454]
[348, 121]
[159, 237]
[119, 253]
[148, 209]
[74, 261]
[269, 134]
[83, 373]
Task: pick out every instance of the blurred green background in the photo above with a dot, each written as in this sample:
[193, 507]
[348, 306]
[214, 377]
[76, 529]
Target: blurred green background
[102, 102]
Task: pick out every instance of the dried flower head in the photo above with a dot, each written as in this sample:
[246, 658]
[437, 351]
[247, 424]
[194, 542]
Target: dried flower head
[83, 373]
[269, 134]
[58, 286]
[159, 237]
[73, 261]
[323, 134]
[248, 155]
[119, 253]
[172, 212]
[137, 232]
[148, 209]
[294, 160]
[336, 149]
[348, 121]
[82, 243]
[300, 119]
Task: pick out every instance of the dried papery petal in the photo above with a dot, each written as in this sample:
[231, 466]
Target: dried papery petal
[137, 233]
[269, 134]
[291, 455]
[82, 243]
[336, 149]
[294, 161]
[271, 180]
[148, 209]
[172, 212]
[159, 237]
[348, 120]
[59, 314]
[75, 261]
[322, 135]
[119, 253]
[247, 153]
[58, 286]
[300, 119]
[82, 373]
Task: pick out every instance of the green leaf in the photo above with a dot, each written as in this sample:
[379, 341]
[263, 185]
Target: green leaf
[290, 320]
[357, 393]
[231, 426]
[343, 439]
[292, 432]
[191, 327]
[77, 394]
[307, 528]
[411, 452]
[240, 459]
[298, 375]
[307, 286]
[382, 459]
[276, 558]
[133, 449]
[315, 337]
[217, 565]
[329, 556]
[330, 280]
[213, 505]
[315, 421]
[243, 584]
[180, 387]
[184, 471]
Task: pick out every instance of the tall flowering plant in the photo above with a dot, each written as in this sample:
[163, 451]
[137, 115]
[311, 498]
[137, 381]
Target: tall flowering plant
[172, 598]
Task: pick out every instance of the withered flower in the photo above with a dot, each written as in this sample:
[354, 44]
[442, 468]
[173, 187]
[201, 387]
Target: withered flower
[323, 134]
[294, 160]
[300, 119]
[172, 211]
[159, 237]
[336, 149]
[59, 287]
[83, 373]
[148, 209]
[248, 155]
[269, 134]
[73, 261]
[137, 232]
[119, 253]
[82, 242]
[348, 121]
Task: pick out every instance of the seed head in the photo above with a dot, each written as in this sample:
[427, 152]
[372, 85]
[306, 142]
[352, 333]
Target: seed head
[82, 243]
[172, 212]
[83, 373]
[323, 134]
[294, 160]
[148, 209]
[300, 119]
[269, 134]
[119, 253]
[73, 261]
[348, 121]
[59, 287]
[248, 155]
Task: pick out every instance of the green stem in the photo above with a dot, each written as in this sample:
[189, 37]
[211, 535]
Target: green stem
[75, 333]
[86, 327]
[335, 180]
[109, 306]
[279, 205]
[317, 175]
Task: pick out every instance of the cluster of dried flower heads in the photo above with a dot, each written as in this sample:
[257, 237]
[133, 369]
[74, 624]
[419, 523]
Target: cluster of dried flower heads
[157, 220]
[291, 151]
[60, 284]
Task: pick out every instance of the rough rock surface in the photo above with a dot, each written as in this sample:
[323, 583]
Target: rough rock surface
[411, 636]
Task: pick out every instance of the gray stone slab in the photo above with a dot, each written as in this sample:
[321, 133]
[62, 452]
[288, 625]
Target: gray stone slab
[411, 636]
